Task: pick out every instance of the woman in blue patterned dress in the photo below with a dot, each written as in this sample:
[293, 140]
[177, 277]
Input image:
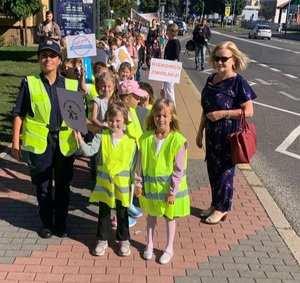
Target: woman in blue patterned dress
[224, 95]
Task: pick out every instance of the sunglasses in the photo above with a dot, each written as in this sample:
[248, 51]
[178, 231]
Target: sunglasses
[223, 59]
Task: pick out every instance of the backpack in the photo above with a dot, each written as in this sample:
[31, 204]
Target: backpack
[190, 45]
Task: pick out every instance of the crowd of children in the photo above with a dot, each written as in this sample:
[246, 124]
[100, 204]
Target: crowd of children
[134, 144]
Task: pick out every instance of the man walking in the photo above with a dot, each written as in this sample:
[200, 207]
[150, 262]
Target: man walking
[201, 36]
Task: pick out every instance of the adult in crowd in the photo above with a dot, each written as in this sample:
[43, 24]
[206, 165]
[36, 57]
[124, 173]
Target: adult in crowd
[48, 29]
[118, 25]
[140, 57]
[46, 137]
[225, 95]
[152, 43]
[172, 53]
[163, 36]
[201, 36]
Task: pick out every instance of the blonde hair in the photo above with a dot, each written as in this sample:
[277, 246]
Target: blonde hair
[159, 105]
[113, 110]
[241, 59]
[100, 78]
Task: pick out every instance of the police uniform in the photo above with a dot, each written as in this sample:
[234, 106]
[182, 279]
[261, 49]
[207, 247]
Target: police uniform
[50, 144]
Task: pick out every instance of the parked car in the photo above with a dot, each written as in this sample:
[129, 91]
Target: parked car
[261, 31]
[182, 27]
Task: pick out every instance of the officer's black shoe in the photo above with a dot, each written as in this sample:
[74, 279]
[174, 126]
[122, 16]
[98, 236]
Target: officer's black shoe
[62, 232]
[45, 233]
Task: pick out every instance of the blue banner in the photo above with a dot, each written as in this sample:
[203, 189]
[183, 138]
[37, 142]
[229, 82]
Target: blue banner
[75, 16]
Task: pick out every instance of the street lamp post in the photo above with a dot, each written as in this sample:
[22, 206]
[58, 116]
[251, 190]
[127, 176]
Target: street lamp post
[111, 12]
[233, 13]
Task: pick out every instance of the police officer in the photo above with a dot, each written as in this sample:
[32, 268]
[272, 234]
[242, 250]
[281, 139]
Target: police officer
[47, 138]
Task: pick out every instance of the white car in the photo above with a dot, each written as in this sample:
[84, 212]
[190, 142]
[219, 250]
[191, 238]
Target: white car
[261, 31]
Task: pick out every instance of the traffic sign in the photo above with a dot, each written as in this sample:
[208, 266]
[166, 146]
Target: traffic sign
[227, 11]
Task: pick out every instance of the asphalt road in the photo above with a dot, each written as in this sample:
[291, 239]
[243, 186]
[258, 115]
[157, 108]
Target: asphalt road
[274, 74]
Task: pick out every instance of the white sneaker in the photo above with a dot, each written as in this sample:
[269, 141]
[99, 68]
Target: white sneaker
[100, 248]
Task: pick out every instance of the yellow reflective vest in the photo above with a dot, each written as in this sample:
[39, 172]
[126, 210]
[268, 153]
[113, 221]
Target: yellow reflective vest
[90, 100]
[34, 129]
[114, 175]
[134, 128]
[157, 172]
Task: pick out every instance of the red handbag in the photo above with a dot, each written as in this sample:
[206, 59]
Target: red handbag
[243, 143]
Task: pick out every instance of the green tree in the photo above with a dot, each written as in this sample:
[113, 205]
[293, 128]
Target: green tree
[21, 9]
[148, 6]
[121, 8]
[216, 6]
[267, 9]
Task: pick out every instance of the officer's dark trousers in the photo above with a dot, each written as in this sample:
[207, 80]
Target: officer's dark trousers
[104, 222]
[43, 169]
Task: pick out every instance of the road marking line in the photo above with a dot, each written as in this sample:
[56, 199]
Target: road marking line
[276, 108]
[275, 70]
[263, 65]
[289, 95]
[291, 76]
[263, 82]
[287, 142]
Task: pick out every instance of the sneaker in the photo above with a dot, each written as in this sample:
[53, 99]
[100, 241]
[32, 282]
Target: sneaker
[124, 248]
[196, 68]
[166, 257]
[131, 221]
[134, 212]
[100, 248]
[148, 253]
[114, 222]
[202, 68]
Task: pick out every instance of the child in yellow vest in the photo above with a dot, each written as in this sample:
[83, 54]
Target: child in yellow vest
[117, 152]
[161, 184]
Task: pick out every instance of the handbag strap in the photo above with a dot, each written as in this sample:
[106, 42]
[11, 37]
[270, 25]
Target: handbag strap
[243, 121]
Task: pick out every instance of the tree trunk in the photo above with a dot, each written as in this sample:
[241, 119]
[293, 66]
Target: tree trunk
[25, 32]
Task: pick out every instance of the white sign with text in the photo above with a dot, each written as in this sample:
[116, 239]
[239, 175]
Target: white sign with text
[165, 70]
[82, 45]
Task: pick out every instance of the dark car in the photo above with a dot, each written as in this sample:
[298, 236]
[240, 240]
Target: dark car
[182, 27]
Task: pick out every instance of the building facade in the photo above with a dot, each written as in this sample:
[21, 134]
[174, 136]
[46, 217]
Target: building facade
[22, 32]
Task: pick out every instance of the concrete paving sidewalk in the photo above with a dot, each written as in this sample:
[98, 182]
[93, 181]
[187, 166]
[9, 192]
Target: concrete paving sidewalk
[255, 244]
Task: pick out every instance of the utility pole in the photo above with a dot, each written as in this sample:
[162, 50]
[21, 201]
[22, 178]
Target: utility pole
[233, 13]
[108, 9]
[287, 17]
[186, 9]
[202, 13]
[161, 7]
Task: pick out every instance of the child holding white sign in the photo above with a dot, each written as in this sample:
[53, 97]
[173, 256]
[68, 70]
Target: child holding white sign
[172, 52]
